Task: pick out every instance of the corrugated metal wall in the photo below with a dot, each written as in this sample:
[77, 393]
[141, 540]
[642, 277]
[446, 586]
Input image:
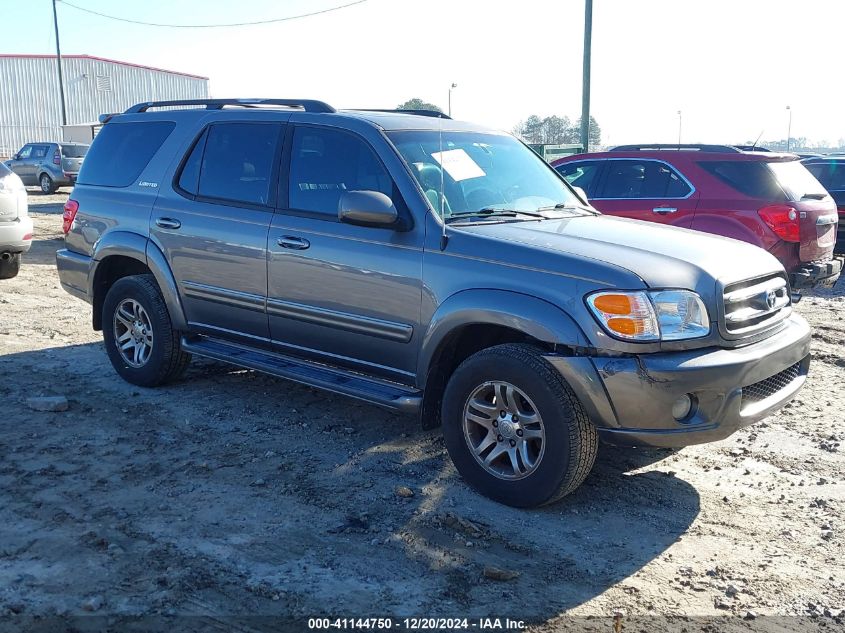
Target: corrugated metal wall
[29, 94]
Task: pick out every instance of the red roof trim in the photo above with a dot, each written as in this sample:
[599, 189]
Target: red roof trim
[104, 59]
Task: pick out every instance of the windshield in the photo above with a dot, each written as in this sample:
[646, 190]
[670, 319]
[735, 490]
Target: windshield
[488, 174]
[74, 151]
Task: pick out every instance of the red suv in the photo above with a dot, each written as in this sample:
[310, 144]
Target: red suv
[764, 198]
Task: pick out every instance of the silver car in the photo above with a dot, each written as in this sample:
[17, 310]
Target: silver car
[15, 223]
[48, 165]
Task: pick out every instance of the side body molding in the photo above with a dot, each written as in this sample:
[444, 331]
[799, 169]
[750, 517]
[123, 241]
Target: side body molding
[135, 246]
[535, 317]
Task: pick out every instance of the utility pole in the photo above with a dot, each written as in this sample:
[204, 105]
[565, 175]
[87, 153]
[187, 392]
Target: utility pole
[789, 129]
[454, 85]
[59, 64]
[585, 89]
[680, 121]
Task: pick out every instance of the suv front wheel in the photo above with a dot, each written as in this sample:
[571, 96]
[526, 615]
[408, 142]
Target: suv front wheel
[140, 340]
[514, 429]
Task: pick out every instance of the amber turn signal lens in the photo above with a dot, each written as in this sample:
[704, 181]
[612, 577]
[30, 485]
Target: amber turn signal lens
[626, 326]
[613, 304]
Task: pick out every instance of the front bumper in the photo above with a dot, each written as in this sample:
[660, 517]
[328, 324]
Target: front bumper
[814, 275]
[630, 398]
[12, 235]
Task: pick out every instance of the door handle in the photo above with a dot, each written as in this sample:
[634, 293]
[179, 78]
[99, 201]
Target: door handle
[168, 223]
[664, 210]
[293, 243]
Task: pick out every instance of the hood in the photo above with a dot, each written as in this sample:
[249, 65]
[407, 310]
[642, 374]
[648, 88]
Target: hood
[662, 256]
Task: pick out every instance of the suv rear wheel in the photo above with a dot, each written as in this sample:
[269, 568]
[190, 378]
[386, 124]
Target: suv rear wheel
[514, 429]
[47, 184]
[140, 340]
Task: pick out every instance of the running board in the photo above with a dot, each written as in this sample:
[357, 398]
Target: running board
[380, 392]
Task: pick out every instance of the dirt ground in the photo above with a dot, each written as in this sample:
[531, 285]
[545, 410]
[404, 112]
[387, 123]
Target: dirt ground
[232, 494]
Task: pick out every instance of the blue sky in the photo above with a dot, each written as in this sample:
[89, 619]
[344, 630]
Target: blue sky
[731, 66]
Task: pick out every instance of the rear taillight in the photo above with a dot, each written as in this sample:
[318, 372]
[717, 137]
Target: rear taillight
[57, 158]
[783, 220]
[71, 207]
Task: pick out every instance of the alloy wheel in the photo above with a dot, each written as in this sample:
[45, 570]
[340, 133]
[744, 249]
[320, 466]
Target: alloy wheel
[503, 430]
[133, 333]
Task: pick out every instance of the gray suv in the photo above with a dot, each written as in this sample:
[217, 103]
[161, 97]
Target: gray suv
[48, 165]
[429, 266]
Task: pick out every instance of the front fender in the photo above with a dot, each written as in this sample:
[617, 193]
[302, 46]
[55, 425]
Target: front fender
[138, 247]
[535, 317]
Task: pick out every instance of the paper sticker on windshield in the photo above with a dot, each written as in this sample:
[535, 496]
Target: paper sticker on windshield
[458, 164]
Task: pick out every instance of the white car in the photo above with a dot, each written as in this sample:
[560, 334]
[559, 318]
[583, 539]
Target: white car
[15, 223]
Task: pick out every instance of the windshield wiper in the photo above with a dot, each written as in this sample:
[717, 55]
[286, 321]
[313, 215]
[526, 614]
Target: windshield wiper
[491, 212]
[814, 196]
[566, 206]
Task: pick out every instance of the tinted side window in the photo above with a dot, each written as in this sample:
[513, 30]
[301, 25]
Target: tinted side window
[631, 179]
[121, 151]
[190, 177]
[625, 179]
[581, 174]
[662, 181]
[238, 162]
[325, 163]
[26, 152]
[39, 151]
[753, 179]
[831, 174]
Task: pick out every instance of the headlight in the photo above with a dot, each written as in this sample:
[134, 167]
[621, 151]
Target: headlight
[668, 315]
[11, 183]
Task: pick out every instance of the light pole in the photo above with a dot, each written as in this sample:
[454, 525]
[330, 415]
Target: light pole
[450, 97]
[789, 129]
[59, 64]
[680, 122]
[585, 89]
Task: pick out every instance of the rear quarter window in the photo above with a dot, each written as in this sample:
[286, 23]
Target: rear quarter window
[753, 179]
[796, 181]
[121, 151]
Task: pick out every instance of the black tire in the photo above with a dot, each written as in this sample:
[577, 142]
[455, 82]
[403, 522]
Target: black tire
[47, 185]
[10, 267]
[571, 440]
[166, 360]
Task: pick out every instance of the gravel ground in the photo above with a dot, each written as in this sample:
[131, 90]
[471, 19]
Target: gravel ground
[232, 493]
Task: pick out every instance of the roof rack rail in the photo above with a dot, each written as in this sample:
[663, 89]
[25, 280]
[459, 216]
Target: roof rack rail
[432, 113]
[309, 105]
[722, 149]
[752, 148]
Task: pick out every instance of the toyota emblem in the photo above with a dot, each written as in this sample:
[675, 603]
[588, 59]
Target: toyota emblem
[771, 299]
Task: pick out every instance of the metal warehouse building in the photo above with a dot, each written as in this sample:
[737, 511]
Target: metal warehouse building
[30, 106]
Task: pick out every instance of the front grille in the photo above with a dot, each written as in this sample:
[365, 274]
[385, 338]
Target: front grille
[755, 304]
[770, 386]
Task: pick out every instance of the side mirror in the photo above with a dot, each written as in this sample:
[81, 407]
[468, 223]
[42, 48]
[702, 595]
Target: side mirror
[581, 193]
[367, 208]
[16, 156]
